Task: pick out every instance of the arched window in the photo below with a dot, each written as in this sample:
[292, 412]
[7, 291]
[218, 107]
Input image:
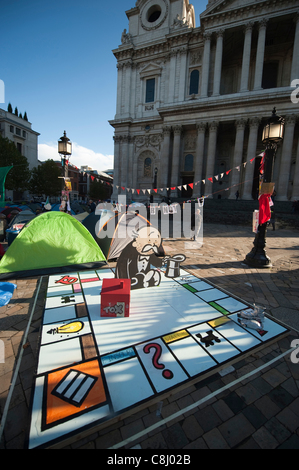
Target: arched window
[194, 82]
[188, 166]
[147, 167]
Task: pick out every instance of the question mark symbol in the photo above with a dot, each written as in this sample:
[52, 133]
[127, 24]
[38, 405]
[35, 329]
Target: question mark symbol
[167, 374]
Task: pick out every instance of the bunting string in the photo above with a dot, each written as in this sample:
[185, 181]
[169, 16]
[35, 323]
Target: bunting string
[191, 185]
[173, 188]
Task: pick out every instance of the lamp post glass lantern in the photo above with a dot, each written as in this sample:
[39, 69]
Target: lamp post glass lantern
[64, 149]
[64, 145]
[273, 134]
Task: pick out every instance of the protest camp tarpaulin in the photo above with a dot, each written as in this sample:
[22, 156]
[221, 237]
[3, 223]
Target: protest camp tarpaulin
[3, 173]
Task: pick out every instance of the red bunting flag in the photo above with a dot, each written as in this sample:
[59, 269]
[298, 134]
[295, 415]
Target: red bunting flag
[191, 185]
[227, 172]
[172, 189]
[210, 179]
[92, 178]
[262, 165]
[155, 190]
[138, 191]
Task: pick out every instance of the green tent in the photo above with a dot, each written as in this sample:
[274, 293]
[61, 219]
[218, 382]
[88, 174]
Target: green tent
[52, 242]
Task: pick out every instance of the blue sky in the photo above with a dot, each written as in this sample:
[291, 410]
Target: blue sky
[57, 64]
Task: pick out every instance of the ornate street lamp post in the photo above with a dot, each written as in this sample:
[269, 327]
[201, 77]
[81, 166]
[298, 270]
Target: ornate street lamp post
[272, 136]
[64, 149]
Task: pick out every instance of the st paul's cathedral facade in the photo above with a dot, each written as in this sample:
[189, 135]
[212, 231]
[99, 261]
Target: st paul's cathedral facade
[192, 101]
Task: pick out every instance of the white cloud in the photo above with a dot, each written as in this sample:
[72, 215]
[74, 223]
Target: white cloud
[80, 156]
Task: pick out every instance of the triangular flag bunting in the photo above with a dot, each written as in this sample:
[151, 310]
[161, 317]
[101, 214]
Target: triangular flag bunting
[191, 185]
[210, 179]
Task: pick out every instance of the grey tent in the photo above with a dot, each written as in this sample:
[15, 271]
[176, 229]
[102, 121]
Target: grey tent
[115, 233]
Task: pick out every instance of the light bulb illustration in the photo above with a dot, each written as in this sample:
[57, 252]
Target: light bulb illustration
[73, 327]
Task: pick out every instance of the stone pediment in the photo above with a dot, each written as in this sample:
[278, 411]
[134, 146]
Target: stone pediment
[220, 12]
[150, 70]
[221, 6]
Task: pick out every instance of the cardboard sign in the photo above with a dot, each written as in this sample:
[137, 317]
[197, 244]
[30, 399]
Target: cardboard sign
[267, 188]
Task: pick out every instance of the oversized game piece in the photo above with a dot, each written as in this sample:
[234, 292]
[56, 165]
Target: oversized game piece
[115, 298]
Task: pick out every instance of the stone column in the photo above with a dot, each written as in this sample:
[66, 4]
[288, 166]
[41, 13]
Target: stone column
[201, 130]
[238, 153]
[116, 174]
[135, 173]
[130, 163]
[128, 80]
[183, 68]
[251, 153]
[171, 80]
[124, 162]
[165, 156]
[213, 127]
[259, 61]
[295, 61]
[285, 162]
[175, 167]
[218, 63]
[295, 191]
[133, 91]
[119, 88]
[206, 66]
[246, 56]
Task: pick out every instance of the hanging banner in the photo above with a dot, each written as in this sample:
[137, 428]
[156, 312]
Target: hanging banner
[64, 201]
[255, 221]
[3, 173]
[67, 184]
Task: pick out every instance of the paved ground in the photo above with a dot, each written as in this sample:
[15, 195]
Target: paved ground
[261, 411]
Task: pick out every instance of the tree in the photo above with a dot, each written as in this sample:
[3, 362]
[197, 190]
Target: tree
[44, 179]
[97, 190]
[9, 108]
[25, 116]
[16, 111]
[18, 177]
